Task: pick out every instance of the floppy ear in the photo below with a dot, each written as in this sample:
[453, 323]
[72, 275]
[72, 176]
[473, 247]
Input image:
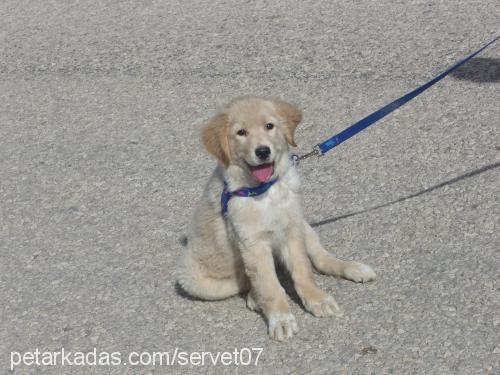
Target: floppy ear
[292, 116]
[214, 137]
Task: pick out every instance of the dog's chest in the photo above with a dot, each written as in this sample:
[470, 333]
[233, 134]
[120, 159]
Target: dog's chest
[275, 207]
[268, 215]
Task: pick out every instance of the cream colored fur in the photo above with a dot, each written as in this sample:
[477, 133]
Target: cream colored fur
[235, 254]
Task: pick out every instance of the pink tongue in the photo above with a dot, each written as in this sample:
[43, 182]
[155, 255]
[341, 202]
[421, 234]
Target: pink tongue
[263, 172]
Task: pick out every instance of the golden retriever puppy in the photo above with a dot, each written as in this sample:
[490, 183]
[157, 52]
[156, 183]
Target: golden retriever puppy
[250, 213]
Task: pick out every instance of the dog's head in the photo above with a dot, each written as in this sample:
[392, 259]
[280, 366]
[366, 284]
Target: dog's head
[252, 133]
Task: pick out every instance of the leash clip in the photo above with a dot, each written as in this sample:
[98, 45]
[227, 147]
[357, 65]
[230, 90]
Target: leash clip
[316, 151]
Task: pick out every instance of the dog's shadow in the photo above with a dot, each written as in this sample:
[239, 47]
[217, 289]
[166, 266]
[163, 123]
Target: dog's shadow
[182, 293]
[479, 69]
[287, 283]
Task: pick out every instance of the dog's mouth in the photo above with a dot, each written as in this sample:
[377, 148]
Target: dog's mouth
[263, 172]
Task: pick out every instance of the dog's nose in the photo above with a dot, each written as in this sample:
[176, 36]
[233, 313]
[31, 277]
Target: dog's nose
[262, 152]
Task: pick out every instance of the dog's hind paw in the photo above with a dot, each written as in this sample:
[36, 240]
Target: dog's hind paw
[359, 272]
[324, 308]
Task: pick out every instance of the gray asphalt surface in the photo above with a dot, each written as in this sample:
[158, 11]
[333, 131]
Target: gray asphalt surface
[101, 103]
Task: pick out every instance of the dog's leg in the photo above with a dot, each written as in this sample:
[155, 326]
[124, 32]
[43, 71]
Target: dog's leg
[326, 263]
[295, 258]
[267, 294]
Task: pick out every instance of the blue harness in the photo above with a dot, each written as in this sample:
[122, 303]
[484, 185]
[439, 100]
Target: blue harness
[243, 192]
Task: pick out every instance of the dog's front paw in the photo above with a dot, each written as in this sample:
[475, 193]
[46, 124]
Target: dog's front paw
[359, 272]
[325, 307]
[282, 326]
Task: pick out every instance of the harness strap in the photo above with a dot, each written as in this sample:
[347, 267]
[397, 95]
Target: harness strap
[243, 192]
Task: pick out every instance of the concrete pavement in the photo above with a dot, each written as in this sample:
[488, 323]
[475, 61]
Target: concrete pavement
[101, 103]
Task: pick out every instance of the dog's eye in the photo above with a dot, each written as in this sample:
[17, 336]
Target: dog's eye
[269, 126]
[241, 132]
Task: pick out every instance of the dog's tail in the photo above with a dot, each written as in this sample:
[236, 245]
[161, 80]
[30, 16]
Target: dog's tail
[193, 280]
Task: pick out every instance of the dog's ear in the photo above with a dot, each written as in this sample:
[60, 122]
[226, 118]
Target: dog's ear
[292, 116]
[215, 138]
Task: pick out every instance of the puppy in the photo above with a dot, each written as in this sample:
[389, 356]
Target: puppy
[250, 213]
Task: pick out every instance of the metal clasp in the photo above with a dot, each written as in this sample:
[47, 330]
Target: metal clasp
[316, 151]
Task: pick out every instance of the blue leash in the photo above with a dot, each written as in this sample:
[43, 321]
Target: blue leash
[354, 129]
[351, 131]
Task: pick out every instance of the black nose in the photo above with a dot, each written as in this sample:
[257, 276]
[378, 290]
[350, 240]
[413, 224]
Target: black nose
[262, 152]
